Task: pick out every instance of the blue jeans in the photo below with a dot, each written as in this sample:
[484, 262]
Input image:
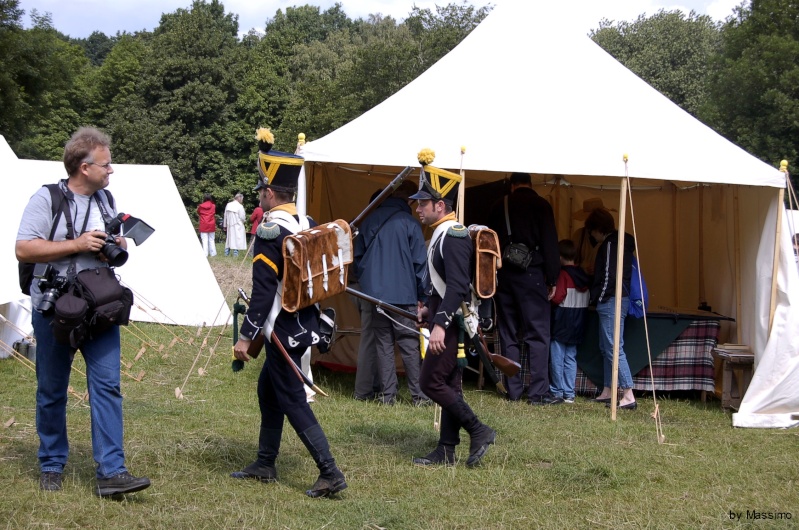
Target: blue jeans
[605, 310]
[562, 369]
[53, 367]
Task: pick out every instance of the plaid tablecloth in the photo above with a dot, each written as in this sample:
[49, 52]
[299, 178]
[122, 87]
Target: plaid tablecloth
[685, 364]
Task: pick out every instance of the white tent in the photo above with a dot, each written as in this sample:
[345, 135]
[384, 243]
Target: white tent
[171, 279]
[523, 93]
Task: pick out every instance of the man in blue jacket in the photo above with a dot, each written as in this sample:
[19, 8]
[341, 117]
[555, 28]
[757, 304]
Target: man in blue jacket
[391, 264]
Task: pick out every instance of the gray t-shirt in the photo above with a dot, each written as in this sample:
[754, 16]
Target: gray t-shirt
[37, 221]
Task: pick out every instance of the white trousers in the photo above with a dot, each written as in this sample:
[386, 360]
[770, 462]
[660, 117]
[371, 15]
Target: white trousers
[209, 245]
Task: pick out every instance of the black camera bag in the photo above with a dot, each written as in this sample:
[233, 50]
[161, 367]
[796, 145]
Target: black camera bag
[69, 320]
[109, 302]
[517, 255]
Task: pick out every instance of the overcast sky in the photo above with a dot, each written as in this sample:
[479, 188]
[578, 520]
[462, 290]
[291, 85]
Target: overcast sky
[79, 18]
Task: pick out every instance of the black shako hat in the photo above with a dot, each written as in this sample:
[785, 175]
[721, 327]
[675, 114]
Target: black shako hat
[435, 183]
[277, 170]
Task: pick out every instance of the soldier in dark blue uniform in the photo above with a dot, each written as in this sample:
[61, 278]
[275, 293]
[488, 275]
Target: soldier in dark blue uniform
[280, 392]
[449, 257]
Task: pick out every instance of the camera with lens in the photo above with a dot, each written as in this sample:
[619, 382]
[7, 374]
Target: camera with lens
[51, 284]
[135, 229]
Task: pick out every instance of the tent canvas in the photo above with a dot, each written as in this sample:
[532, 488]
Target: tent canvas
[171, 279]
[562, 109]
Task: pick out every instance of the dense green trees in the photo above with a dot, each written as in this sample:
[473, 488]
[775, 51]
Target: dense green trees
[191, 93]
[754, 85]
[669, 50]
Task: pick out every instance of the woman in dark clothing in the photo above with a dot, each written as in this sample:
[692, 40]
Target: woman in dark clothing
[601, 226]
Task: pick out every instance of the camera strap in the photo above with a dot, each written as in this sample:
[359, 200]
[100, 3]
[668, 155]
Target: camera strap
[106, 216]
[507, 219]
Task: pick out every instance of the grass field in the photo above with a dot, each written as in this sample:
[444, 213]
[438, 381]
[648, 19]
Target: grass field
[566, 466]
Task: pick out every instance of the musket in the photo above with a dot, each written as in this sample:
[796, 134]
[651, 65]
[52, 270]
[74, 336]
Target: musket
[490, 360]
[507, 366]
[381, 304]
[257, 344]
[391, 188]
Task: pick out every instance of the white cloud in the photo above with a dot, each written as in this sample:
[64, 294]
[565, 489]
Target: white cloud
[721, 9]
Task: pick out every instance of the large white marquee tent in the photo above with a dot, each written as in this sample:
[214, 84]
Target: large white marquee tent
[171, 278]
[523, 93]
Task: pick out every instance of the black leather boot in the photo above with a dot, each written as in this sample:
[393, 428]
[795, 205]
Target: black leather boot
[441, 455]
[482, 436]
[331, 480]
[263, 468]
[444, 453]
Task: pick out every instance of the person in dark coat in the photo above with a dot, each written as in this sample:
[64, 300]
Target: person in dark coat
[391, 263]
[523, 293]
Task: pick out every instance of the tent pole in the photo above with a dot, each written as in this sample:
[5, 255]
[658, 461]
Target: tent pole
[617, 316]
[675, 237]
[302, 186]
[318, 180]
[701, 224]
[737, 243]
[776, 267]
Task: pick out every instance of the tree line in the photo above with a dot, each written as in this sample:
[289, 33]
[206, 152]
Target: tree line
[740, 77]
[191, 93]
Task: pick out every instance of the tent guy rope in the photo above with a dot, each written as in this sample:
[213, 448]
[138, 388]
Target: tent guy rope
[661, 437]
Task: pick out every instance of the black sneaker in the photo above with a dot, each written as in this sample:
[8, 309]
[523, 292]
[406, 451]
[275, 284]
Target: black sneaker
[50, 481]
[546, 399]
[119, 484]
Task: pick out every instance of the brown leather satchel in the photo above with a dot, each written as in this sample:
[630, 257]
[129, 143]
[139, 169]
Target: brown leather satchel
[488, 260]
[315, 264]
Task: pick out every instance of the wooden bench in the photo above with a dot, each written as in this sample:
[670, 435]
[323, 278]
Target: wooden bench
[734, 369]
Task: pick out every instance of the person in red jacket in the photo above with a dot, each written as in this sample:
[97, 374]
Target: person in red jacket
[255, 218]
[207, 214]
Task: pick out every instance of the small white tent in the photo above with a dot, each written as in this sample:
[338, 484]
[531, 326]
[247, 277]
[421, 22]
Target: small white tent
[523, 93]
[171, 279]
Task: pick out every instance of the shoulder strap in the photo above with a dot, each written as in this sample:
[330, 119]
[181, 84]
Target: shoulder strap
[56, 207]
[439, 234]
[377, 230]
[110, 199]
[507, 217]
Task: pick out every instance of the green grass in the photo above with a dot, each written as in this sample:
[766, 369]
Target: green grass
[566, 466]
[552, 467]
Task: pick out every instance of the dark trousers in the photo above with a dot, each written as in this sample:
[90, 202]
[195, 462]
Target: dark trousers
[524, 313]
[281, 394]
[440, 377]
[367, 380]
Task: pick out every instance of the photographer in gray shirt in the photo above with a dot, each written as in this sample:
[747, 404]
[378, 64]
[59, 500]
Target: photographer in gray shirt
[79, 238]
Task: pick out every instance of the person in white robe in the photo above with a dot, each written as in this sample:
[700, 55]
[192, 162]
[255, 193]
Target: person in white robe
[234, 225]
